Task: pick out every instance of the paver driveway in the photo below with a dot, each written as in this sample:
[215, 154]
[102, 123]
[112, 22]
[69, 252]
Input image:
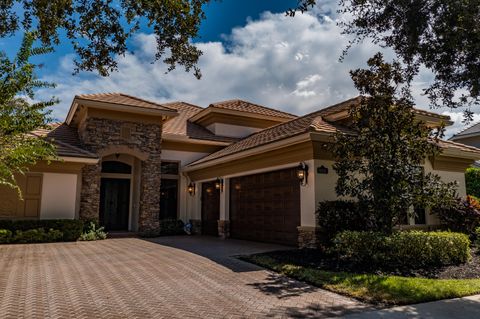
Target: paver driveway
[169, 277]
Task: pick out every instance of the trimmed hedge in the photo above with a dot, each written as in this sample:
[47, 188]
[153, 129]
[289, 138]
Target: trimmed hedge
[413, 249]
[71, 229]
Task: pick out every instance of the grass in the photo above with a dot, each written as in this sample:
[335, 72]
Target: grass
[380, 289]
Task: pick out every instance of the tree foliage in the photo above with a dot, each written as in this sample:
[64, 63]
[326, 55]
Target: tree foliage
[442, 35]
[19, 116]
[381, 164]
[472, 181]
[99, 29]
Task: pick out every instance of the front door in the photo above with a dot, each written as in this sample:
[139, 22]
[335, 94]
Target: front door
[114, 203]
[210, 209]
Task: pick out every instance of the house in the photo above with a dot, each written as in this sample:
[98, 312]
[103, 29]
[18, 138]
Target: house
[234, 169]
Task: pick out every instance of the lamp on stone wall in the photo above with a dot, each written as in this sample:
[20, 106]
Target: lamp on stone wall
[191, 188]
[302, 173]
[219, 184]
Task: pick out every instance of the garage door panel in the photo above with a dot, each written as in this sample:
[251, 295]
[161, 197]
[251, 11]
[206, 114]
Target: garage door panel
[266, 207]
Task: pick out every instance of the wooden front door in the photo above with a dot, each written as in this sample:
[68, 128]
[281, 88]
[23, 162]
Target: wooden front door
[114, 203]
[266, 207]
[210, 209]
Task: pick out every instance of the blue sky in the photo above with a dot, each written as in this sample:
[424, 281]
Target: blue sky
[251, 51]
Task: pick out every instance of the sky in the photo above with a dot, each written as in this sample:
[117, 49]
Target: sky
[251, 51]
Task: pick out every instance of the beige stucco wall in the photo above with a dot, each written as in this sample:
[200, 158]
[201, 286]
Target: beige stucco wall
[231, 130]
[59, 195]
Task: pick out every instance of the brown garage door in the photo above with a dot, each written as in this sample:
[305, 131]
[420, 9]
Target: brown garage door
[265, 207]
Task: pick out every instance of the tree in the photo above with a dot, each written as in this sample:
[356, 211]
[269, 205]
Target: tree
[19, 149]
[442, 35]
[99, 29]
[382, 163]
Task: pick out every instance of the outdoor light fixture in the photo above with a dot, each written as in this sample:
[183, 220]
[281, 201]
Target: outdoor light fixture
[302, 173]
[191, 189]
[219, 184]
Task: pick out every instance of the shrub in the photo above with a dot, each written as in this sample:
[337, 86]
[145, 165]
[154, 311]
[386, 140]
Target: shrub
[411, 249]
[93, 232]
[37, 235]
[462, 216]
[5, 236]
[171, 227]
[472, 181]
[339, 215]
[71, 229]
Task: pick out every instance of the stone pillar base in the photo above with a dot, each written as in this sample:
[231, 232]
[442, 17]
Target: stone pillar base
[196, 226]
[224, 228]
[308, 237]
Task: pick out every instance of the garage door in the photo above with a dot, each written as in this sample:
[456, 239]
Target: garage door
[265, 207]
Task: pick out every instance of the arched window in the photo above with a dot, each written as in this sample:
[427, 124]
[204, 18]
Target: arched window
[116, 167]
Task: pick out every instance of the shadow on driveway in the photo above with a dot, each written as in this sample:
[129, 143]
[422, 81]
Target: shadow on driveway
[221, 251]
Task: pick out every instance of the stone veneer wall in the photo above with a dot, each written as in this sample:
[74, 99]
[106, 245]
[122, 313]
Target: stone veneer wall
[98, 134]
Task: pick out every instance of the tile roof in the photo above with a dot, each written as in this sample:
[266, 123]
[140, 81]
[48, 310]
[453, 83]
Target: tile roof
[180, 125]
[123, 99]
[310, 122]
[297, 126]
[471, 130]
[459, 146]
[66, 140]
[245, 106]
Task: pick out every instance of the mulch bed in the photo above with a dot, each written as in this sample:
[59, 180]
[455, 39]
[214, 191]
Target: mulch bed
[318, 259]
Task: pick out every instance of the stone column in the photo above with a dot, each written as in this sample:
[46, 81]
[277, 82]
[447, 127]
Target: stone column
[90, 193]
[309, 237]
[148, 219]
[224, 228]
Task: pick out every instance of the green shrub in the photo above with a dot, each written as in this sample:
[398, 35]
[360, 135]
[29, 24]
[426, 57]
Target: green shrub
[463, 215]
[93, 232]
[5, 236]
[37, 235]
[171, 227]
[339, 215]
[402, 249]
[472, 181]
[71, 229]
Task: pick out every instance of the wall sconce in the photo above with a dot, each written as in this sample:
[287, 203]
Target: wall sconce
[191, 188]
[302, 173]
[219, 184]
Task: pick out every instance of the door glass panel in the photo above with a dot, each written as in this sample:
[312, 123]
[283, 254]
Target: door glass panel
[168, 199]
[169, 168]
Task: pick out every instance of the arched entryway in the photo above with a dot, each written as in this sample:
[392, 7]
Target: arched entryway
[115, 195]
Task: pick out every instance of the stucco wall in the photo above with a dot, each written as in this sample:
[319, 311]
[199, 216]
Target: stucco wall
[231, 130]
[59, 195]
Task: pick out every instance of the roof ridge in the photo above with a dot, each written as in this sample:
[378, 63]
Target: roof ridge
[245, 101]
[183, 102]
[144, 100]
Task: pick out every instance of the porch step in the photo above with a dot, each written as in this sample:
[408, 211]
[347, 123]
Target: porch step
[122, 234]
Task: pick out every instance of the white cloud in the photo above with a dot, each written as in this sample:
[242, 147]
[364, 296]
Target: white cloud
[286, 63]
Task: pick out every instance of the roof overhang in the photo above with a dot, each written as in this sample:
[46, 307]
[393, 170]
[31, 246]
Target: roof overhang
[84, 160]
[164, 114]
[462, 136]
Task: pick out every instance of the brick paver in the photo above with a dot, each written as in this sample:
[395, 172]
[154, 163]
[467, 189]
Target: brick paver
[170, 277]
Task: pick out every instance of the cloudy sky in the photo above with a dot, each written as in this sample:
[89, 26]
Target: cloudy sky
[251, 51]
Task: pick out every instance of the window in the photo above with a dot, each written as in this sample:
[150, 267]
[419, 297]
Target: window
[116, 167]
[169, 188]
[420, 218]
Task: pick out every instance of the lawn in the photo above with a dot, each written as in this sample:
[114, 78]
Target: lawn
[379, 289]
